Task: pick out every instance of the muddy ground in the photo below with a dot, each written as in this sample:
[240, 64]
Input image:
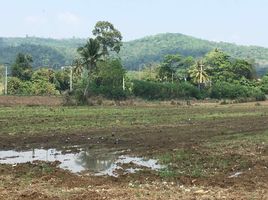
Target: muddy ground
[210, 151]
[30, 101]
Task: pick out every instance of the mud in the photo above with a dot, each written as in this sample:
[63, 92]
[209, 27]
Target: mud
[46, 180]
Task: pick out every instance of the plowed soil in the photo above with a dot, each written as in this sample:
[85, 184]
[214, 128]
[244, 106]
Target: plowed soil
[202, 150]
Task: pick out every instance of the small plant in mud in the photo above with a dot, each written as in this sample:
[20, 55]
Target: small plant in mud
[167, 173]
[46, 168]
[181, 163]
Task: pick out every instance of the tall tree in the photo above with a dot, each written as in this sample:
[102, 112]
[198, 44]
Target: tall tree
[111, 73]
[218, 65]
[107, 39]
[22, 68]
[90, 55]
[242, 68]
[169, 66]
[108, 36]
[182, 71]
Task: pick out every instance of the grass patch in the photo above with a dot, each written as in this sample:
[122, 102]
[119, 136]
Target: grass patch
[33, 120]
[195, 164]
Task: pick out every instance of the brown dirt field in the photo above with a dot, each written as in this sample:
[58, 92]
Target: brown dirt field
[30, 101]
[31, 181]
[140, 139]
[60, 184]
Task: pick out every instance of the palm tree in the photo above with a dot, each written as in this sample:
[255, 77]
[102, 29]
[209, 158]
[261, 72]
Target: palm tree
[90, 55]
[198, 74]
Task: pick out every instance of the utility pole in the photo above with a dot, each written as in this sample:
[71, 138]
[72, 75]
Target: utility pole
[6, 81]
[71, 79]
[139, 72]
[124, 87]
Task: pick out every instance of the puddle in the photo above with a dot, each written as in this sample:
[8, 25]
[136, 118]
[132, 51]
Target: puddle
[95, 162]
[136, 164]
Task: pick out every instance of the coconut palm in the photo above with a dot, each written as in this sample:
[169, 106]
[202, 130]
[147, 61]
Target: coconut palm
[198, 74]
[90, 54]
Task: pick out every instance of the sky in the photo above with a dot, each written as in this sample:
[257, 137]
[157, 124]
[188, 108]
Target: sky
[236, 21]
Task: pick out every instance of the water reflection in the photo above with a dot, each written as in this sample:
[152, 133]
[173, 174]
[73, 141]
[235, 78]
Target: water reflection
[98, 162]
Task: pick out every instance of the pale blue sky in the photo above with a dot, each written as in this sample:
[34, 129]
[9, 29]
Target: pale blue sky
[239, 21]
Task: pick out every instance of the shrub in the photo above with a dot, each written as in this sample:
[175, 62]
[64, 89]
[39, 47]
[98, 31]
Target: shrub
[226, 90]
[43, 88]
[18, 87]
[109, 92]
[258, 94]
[162, 91]
[14, 84]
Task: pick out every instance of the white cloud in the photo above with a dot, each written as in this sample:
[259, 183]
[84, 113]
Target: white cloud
[68, 18]
[35, 19]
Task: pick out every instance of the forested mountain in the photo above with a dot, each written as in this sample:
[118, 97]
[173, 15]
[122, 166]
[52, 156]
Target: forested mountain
[53, 52]
[45, 51]
[153, 48]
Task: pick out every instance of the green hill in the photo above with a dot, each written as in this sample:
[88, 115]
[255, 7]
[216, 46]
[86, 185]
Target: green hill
[153, 48]
[45, 51]
[53, 52]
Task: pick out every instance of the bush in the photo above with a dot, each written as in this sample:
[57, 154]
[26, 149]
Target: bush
[18, 87]
[226, 90]
[162, 91]
[109, 92]
[43, 88]
[80, 97]
[258, 94]
[14, 84]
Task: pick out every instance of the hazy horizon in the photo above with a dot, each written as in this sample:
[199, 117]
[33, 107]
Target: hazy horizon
[232, 21]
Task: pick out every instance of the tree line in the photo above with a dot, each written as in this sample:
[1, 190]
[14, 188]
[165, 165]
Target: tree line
[98, 70]
[134, 54]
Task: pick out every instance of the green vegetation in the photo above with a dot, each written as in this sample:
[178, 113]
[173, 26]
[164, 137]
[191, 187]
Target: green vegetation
[212, 157]
[99, 71]
[162, 91]
[152, 49]
[63, 120]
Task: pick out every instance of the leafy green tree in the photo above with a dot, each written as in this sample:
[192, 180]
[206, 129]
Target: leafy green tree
[242, 68]
[44, 74]
[182, 71]
[219, 66]
[22, 67]
[150, 72]
[222, 67]
[108, 37]
[264, 84]
[168, 67]
[62, 80]
[111, 73]
[109, 79]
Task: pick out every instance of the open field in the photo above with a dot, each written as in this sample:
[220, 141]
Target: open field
[209, 151]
